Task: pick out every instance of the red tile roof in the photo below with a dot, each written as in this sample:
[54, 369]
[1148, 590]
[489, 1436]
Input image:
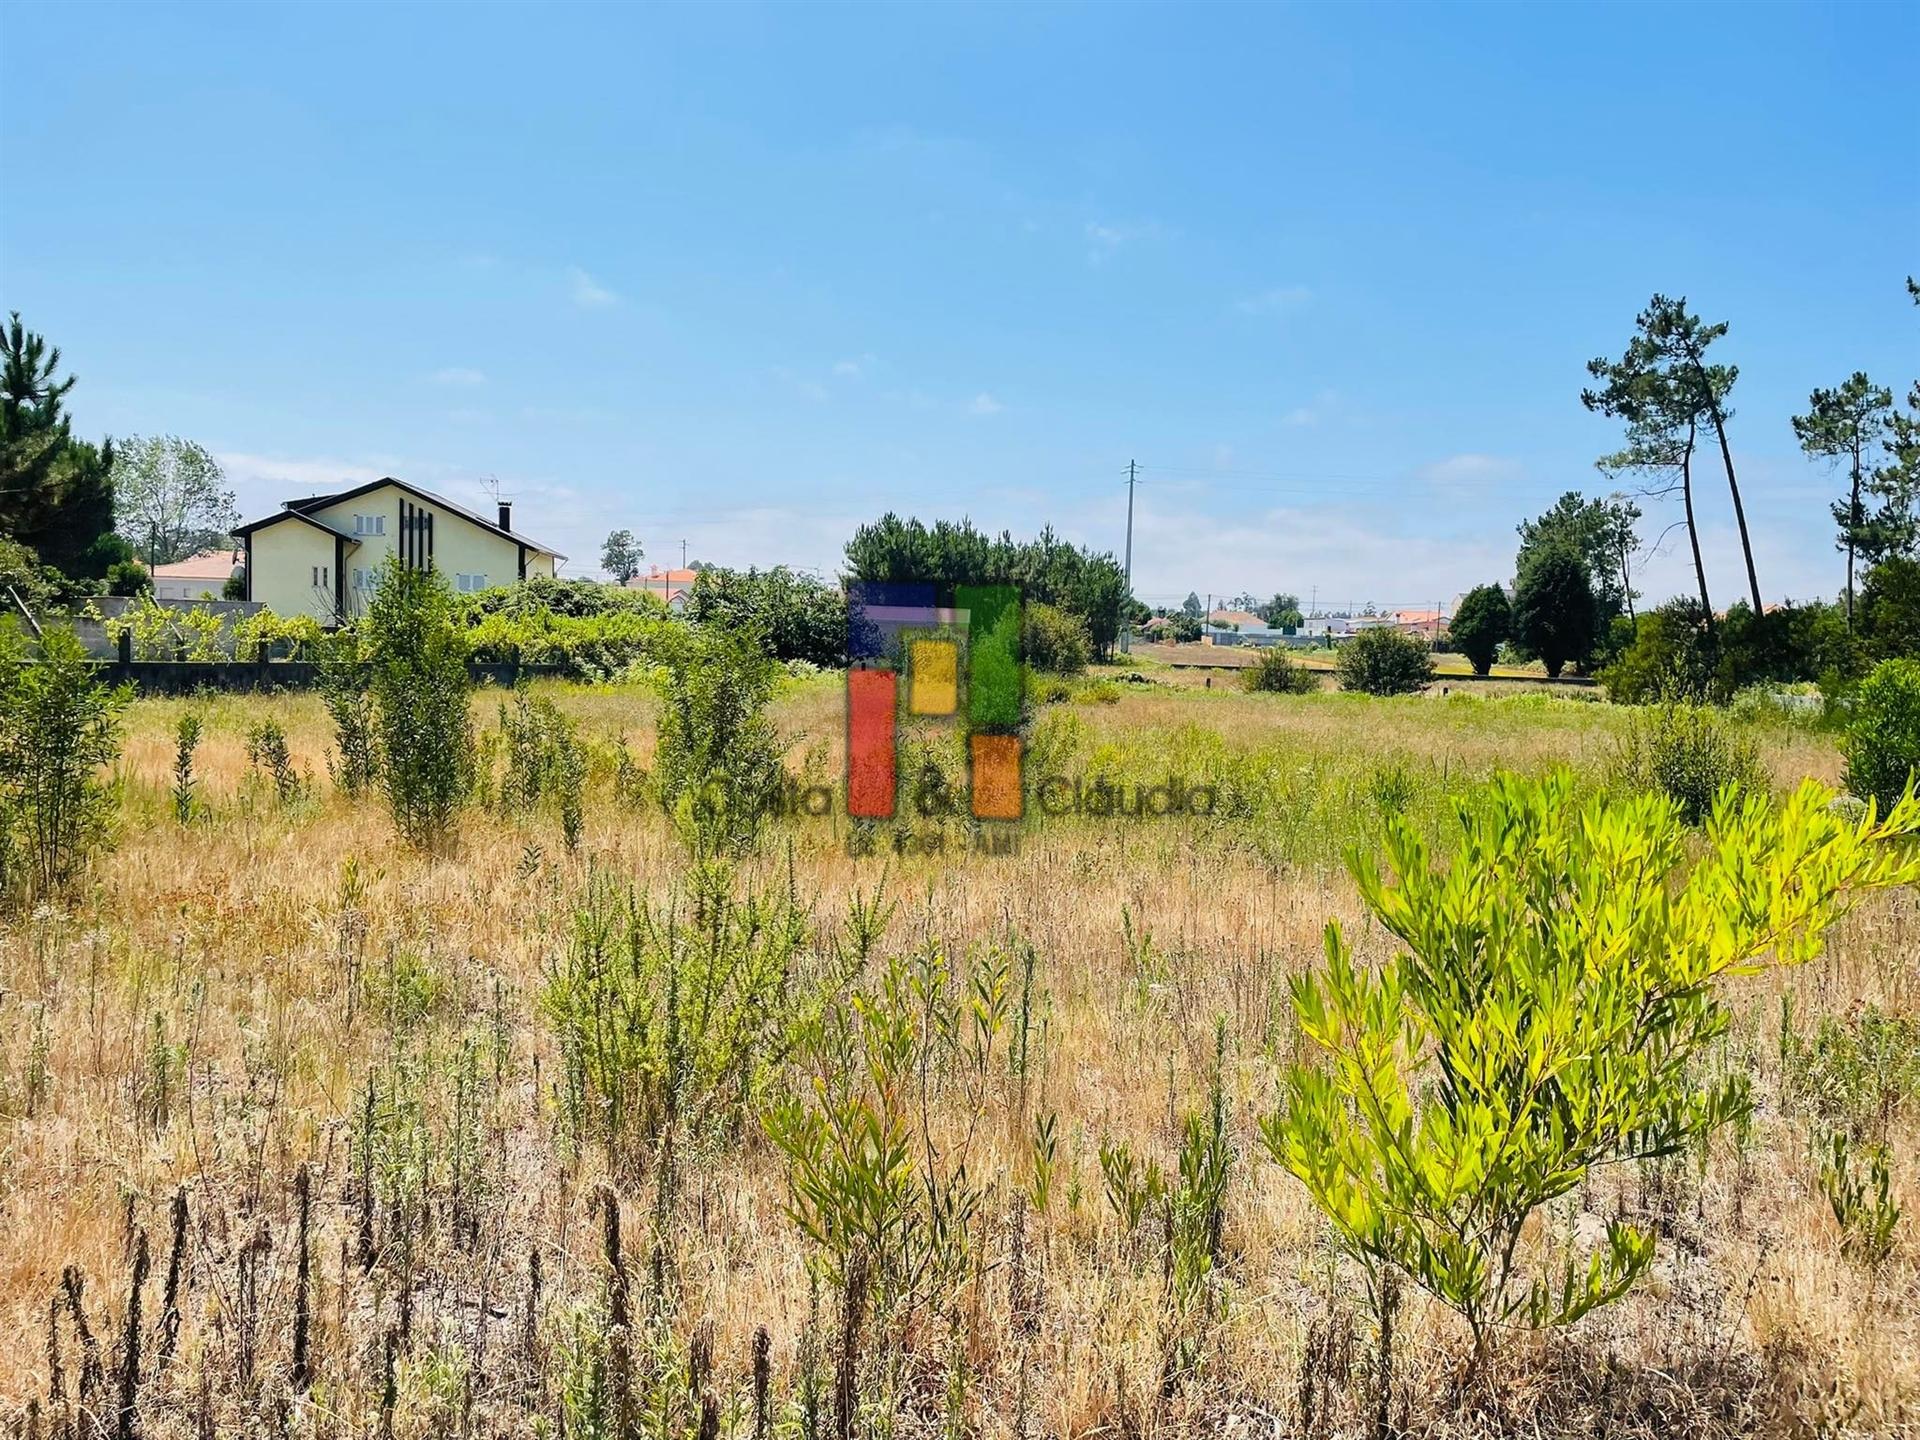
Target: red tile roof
[207, 565]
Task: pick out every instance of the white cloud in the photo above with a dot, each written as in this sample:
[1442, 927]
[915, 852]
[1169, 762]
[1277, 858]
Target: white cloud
[1279, 300]
[1348, 556]
[460, 376]
[804, 386]
[1106, 237]
[854, 368]
[983, 404]
[1300, 416]
[1463, 473]
[588, 293]
[261, 482]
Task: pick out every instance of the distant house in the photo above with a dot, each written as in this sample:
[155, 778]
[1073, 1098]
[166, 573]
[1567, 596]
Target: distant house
[1238, 627]
[1430, 623]
[198, 577]
[321, 556]
[672, 586]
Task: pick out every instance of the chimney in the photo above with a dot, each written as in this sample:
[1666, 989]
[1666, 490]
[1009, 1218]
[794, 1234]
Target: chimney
[506, 514]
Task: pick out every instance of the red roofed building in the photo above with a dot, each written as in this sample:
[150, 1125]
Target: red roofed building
[672, 586]
[198, 577]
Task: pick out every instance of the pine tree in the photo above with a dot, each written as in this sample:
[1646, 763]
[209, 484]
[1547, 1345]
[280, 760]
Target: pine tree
[1848, 423]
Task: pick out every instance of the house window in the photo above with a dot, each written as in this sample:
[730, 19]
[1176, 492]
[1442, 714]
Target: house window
[467, 584]
[320, 576]
[369, 524]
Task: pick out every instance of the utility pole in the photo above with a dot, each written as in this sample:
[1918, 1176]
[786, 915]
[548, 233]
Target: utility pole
[1126, 601]
[683, 554]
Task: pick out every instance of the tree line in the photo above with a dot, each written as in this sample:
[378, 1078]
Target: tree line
[79, 518]
[1572, 600]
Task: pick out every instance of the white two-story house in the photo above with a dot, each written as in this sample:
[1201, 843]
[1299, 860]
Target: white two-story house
[321, 556]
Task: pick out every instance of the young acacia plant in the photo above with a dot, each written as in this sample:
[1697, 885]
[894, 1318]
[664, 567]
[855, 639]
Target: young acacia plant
[1546, 1019]
[186, 739]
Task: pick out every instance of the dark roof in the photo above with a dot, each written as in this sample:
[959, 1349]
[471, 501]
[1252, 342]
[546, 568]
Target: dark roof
[275, 519]
[315, 502]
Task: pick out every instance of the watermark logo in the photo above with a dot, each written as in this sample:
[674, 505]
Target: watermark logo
[960, 661]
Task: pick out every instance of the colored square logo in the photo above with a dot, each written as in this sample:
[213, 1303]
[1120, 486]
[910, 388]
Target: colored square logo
[996, 776]
[934, 668]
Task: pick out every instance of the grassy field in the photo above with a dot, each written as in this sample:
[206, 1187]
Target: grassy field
[1447, 664]
[278, 989]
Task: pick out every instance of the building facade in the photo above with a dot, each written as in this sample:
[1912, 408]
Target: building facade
[321, 556]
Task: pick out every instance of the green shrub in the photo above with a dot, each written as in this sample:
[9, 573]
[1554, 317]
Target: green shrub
[795, 617]
[1549, 1016]
[672, 1016]
[1883, 733]
[1889, 609]
[344, 677]
[1689, 754]
[717, 759]
[1384, 661]
[1854, 1072]
[1863, 1207]
[267, 749]
[128, 577]
[1275, 673]
[1054, 641]
[544, 762]
[417, 666]
[59, 728]
[186, 740]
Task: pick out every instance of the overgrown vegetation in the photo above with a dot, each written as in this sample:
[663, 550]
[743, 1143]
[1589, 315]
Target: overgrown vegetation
[417, 674]
[1274, 672]
[1690, 754]
[1548, 1018]
[58, 728]
[718, 763]
[1384, 660]
[1883, 733]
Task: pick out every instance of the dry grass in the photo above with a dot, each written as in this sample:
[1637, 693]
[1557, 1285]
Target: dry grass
[206, 1018]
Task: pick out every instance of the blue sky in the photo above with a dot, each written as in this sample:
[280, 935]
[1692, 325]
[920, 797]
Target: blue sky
[746, 276]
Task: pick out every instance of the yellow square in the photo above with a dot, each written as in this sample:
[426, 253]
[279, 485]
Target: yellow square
[935, 668]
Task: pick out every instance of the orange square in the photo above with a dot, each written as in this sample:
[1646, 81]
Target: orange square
[996, 777]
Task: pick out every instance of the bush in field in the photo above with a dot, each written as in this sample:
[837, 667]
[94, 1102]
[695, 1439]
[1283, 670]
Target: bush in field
[58, 729]
[1384, 661]
[1889, 616]
[344, 678]
[717, 760]
[544, 762]
[417, 672]
[1668, 658]
[267, 749]
[544, 595]
[672, 1016]
[796, 616]
[1274, 672]
[587, 647]
[1550, 1015]
[1689, 754]
[1053, 640]
[1883, 733]
[1483, 624]
[186, 740]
